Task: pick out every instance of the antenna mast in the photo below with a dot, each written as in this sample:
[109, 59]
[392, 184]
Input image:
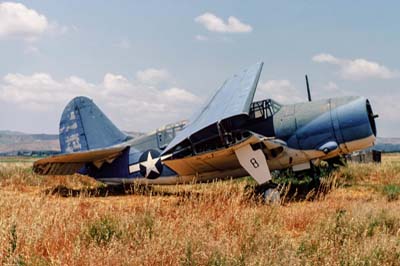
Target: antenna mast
[308, 89]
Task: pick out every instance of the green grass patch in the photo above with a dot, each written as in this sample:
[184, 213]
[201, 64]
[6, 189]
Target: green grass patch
[391, 192]
[18, 159]
[103, 231]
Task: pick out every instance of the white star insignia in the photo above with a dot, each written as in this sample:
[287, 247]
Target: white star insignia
[150, 165]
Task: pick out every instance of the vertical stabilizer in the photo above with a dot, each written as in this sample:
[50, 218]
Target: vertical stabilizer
[83, 126]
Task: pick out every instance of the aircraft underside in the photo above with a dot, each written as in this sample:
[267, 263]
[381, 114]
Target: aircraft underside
[297, 160]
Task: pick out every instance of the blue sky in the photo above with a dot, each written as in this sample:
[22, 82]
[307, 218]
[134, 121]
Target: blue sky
[147, 63]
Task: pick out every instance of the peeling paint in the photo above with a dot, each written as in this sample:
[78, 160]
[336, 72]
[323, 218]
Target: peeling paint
[73, 142]
[72, 116]
[71, 127]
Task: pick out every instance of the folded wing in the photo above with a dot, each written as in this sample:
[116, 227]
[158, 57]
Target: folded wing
[216, 139]
[230, 106]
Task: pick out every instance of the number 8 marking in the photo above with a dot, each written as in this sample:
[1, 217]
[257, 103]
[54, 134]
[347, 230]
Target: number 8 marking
[254, 162]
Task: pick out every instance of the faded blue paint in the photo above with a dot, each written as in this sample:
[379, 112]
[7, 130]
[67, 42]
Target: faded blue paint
[233, 99]
[329, 146]
[71, 133]
[319, 125]
[339, 120]
[353, 120]
[83, 126]
[117, 168]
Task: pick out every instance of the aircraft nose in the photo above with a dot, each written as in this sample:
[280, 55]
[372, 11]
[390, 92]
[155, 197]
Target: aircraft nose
[371, 117]
[354, 123]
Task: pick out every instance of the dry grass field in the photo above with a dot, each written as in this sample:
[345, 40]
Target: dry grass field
[43, 223]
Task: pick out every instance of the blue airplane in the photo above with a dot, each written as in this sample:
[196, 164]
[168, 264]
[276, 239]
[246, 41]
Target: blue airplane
[231, 136]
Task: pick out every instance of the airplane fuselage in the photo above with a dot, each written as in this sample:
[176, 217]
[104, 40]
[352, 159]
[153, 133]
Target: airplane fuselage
[307, 131]
[231, 136]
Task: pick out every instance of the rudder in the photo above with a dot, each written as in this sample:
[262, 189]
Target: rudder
[83, 126]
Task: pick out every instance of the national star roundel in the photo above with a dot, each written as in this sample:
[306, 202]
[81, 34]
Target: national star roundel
[150, 164]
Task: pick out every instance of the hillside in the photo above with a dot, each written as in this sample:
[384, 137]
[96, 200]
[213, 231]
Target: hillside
[11, 141]
[388, 145]
[16, 141]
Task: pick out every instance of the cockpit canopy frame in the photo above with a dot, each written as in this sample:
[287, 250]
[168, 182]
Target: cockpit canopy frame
[264, 109]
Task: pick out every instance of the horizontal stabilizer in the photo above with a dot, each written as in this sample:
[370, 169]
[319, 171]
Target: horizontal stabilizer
[68, 164]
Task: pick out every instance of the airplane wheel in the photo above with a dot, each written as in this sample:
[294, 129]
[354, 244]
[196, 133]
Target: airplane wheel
[268, 193]
[272, 196]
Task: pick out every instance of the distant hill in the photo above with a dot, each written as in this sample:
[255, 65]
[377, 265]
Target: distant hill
[13, 141]
[388, 145]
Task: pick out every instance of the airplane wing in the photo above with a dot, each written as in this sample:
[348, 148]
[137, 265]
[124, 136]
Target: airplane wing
[251, 159]
[230, 103]
[208, 142]
[68, 164]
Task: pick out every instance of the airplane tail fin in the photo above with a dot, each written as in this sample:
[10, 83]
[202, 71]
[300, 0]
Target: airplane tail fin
[83, 126]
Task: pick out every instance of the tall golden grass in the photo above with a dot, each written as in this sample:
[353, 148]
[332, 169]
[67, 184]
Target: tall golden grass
[356, 223]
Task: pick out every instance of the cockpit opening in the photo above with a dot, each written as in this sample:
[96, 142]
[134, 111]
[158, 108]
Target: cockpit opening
[261, 117]
[264, 109]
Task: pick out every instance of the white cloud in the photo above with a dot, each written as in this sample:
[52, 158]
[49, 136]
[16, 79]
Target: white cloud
[133, 104]
[331, 90]
[40, 90]
[357, 69]
[177, 94]
[331, 86]
[325, 58]
[201, 38]
[283, 91]
[58, 29]
[153, 76]
[18, 21]
[213, 23]
[112, 81]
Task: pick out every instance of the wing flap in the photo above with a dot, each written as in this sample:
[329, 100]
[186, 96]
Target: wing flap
[67, 164]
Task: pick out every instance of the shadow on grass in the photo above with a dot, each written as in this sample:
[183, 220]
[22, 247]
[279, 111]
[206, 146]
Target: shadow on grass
[289, 192]
[117, 190]
[316, 189]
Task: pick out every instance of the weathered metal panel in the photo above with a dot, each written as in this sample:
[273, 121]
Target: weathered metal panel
[285, 122]
[223, 159]
[232, 99]
[307, 126]
[84, 126]
[354, 121]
